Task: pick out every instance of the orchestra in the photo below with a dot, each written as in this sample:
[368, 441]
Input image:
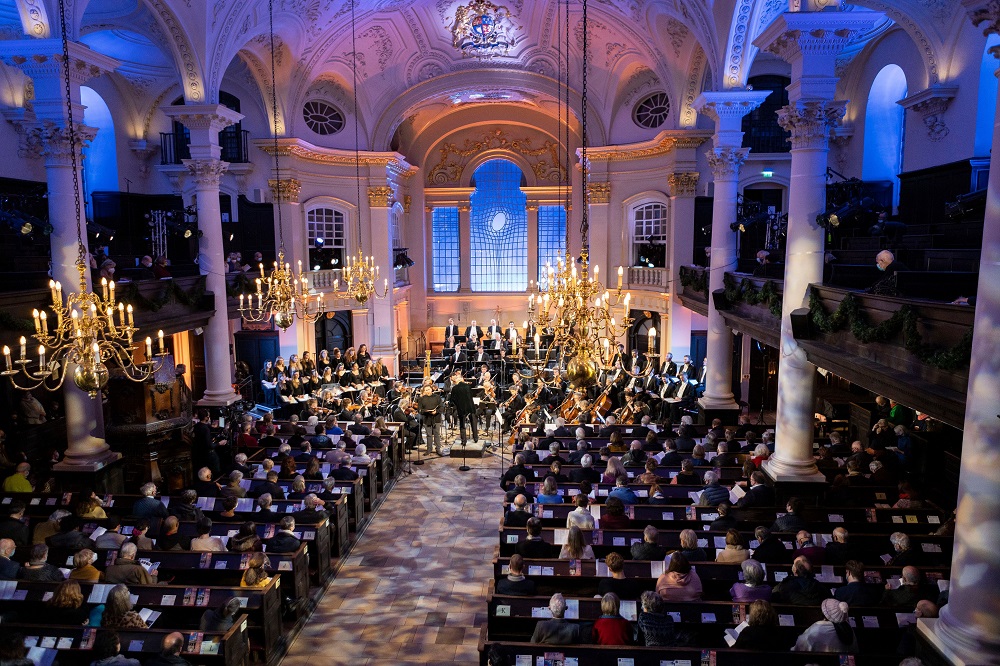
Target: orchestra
[513, 383]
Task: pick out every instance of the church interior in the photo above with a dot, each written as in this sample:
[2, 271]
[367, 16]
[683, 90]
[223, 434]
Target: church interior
[705, 285]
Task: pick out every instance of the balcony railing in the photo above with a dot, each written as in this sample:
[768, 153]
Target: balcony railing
[235, 147]
[642, 277]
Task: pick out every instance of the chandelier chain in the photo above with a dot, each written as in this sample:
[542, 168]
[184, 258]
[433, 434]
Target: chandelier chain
[71, 132]
[585, 219]
[357, 140]
[274, 125]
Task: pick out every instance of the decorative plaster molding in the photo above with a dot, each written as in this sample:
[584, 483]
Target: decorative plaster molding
[810, 122]
[931, 103]
[683, 184]
[726, 162]
[142, 151]
[727, 109]
[544, 160]
[599, 193]
[407, 203]
[380, 196]
[212, 117]
[286, 190]
[52, 141]
[394, 163]
[662, 144]
[988, 13]
[44, 58]
[206, 173]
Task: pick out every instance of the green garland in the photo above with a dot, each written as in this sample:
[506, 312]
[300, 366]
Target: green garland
[746, 291]
[904, 321]
[172, 292]
[697, 280]
[241, 285]
[9, 322]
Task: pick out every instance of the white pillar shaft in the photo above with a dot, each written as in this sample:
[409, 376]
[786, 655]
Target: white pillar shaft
[212, 262]
[719, 377]
[533, 242]
[803, 265]
[84, 415]
[465, 247]
[382, 335]
[970, 622]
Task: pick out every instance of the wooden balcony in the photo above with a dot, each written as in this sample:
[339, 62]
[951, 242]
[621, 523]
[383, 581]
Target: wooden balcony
[694, 289]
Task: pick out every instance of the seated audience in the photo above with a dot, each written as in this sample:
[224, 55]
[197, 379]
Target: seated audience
[832, 634]
[648, 548]
[653, 626]
[735, 551]
[611, 628]
[558, 630]
[575, 548]
[679, 582]
[516, 584]
[753, 586]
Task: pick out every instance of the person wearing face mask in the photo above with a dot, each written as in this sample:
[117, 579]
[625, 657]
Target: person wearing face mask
[145, 270]
[887, 263]
[108, 269]
[763, 261]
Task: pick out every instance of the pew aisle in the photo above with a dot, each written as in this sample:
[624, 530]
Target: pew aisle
[413, 590]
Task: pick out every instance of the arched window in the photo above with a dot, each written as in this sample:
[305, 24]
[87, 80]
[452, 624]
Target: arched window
[446, 253]
[986, 108]
[100, 166]
[761, 131]
[649, 235]
[883, 156]
[499, 228]
[325, 229]
[551, 235]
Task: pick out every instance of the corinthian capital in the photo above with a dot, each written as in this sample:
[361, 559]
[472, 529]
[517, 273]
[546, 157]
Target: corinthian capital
[726, 162]
[683, 184]
[206, 173]
[810, 122]
[987, 12]
[380, 196]
[286, 190]
[52, 141]
[599, 193]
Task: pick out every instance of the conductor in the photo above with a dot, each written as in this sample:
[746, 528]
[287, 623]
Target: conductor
[465, 408]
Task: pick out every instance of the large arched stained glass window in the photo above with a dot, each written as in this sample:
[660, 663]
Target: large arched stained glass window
[499, 228]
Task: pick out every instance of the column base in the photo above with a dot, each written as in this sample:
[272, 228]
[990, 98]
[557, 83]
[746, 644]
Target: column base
[781, 471]
[725, 410]
[88, 462]
[214, 399]
[951, 647]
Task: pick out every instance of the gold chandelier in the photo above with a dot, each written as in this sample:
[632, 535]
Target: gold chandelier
[360, 273]
[571, 304]
[282, 295]
[90, 329]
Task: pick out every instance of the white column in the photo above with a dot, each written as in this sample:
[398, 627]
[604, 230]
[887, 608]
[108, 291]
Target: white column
[360, 332]
[599, 201]
[205, 168]
[301, 335]
[465, 247]
[382, 336]
[42, 61]
[810, 42]
[727, 110]
[968, 630]
[683, 187]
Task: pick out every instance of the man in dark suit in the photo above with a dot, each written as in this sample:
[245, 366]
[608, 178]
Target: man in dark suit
[284, 541]
[493, 329]
[760, 494]
[265, 514]
[557, 631]
[480, 357]
[533, 547]
[610, 426]
[908, 593]
[473, 332]
[561, 429]
[770, 549]
[511, 333]
[457, 359]
[8, 567]
[857, 592]
[586, 471]
[358, 428]
[686, 368]
[517, 468]
[305, 454]
[519, 515]
[671, 458]
[839, 550]
[633, 362]
[465, 408]
[451, 330]
[270, 487]
[12, 528]
[682, 399]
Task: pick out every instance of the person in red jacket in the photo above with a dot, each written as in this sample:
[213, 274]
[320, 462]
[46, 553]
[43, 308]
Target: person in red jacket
[611, 628]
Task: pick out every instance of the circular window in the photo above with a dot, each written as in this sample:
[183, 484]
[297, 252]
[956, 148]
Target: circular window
[499, 221]
[652, 111]
[322, 118]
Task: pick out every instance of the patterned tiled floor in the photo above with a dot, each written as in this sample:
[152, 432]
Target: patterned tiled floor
[413, 590]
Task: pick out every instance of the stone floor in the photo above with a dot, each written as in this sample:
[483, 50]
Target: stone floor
[413, 590]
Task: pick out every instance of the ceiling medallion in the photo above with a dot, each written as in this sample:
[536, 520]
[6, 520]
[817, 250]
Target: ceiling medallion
[483, 30]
